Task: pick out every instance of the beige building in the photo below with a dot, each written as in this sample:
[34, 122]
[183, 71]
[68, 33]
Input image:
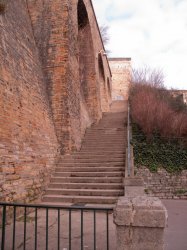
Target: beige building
[121, 76]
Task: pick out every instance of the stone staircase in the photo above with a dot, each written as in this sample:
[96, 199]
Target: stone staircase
[93, 175]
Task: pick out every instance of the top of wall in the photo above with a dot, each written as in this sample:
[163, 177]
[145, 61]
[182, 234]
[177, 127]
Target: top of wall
[120, 59]
[107, 59]
[179, 91]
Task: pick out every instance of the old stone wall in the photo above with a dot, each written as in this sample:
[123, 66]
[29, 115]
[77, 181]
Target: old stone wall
[50, 88]
[28, 144]
[69, 42]
[121, 76]
[163, 184]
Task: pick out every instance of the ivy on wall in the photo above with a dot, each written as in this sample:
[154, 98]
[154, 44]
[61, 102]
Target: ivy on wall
[169, 153]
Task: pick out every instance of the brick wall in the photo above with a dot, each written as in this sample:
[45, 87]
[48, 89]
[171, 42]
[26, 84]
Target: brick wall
[45, 108]
[28, 144]
[163, 184]
[121, 75]
[69, 55]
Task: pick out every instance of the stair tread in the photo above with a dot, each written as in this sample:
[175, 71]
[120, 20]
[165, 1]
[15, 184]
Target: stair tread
[81, 196]
[84, 189]
[84, 172]
[89, 184]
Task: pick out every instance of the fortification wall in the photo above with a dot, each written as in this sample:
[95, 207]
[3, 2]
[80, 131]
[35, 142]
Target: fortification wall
[69, 42]
[28, 143]
[51, 88]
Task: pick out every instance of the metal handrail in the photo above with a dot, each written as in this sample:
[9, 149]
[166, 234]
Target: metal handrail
[129, 156]
[72, 207]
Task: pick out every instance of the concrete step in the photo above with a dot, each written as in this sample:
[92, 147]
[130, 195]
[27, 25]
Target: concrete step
[99, 153]
[103, 144]
[80, 199]
[105, 137]
[85, 192]
[101, 148]
[117, 137]
[88, 174]
[89, 169]
[115, 133]
[103, 126]
[94, 160]
[91, 156]
[109, 151]
[90, 164]
[95, 157]
[87, 179]
[101, 186]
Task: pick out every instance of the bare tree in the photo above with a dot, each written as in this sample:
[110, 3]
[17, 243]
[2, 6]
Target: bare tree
[104, 33]
[148, 76]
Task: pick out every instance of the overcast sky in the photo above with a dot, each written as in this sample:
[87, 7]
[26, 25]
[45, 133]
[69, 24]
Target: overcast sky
[151, 32]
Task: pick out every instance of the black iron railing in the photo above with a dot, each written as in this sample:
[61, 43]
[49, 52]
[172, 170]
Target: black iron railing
[29, 226]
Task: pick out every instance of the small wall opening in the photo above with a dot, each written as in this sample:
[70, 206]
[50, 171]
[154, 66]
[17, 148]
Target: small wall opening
[119, 98]
[101, 69]
[103, 87]
[109, 88]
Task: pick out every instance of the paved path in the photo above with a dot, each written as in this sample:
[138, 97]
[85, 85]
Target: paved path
[176, 233]
[175, 236]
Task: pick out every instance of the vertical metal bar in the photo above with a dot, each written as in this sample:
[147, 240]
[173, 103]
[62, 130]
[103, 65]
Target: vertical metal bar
[47, 224]
[70, 229]
[25, 229]
[3, 228]
[128, 141]
[59, 229]
[94, 230]
[82, 229]
[36, 227]
[14, 229]
[107, 231]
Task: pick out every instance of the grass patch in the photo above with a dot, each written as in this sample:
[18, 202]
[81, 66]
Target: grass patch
[158, 152]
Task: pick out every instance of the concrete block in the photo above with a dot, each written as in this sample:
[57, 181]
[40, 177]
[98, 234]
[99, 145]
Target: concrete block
[133, 181]
[140, 223]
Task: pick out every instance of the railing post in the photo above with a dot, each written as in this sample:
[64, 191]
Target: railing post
[140, 223]
[3, 228]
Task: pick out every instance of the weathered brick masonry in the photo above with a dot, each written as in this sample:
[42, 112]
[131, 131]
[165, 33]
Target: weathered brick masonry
[50, 88]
